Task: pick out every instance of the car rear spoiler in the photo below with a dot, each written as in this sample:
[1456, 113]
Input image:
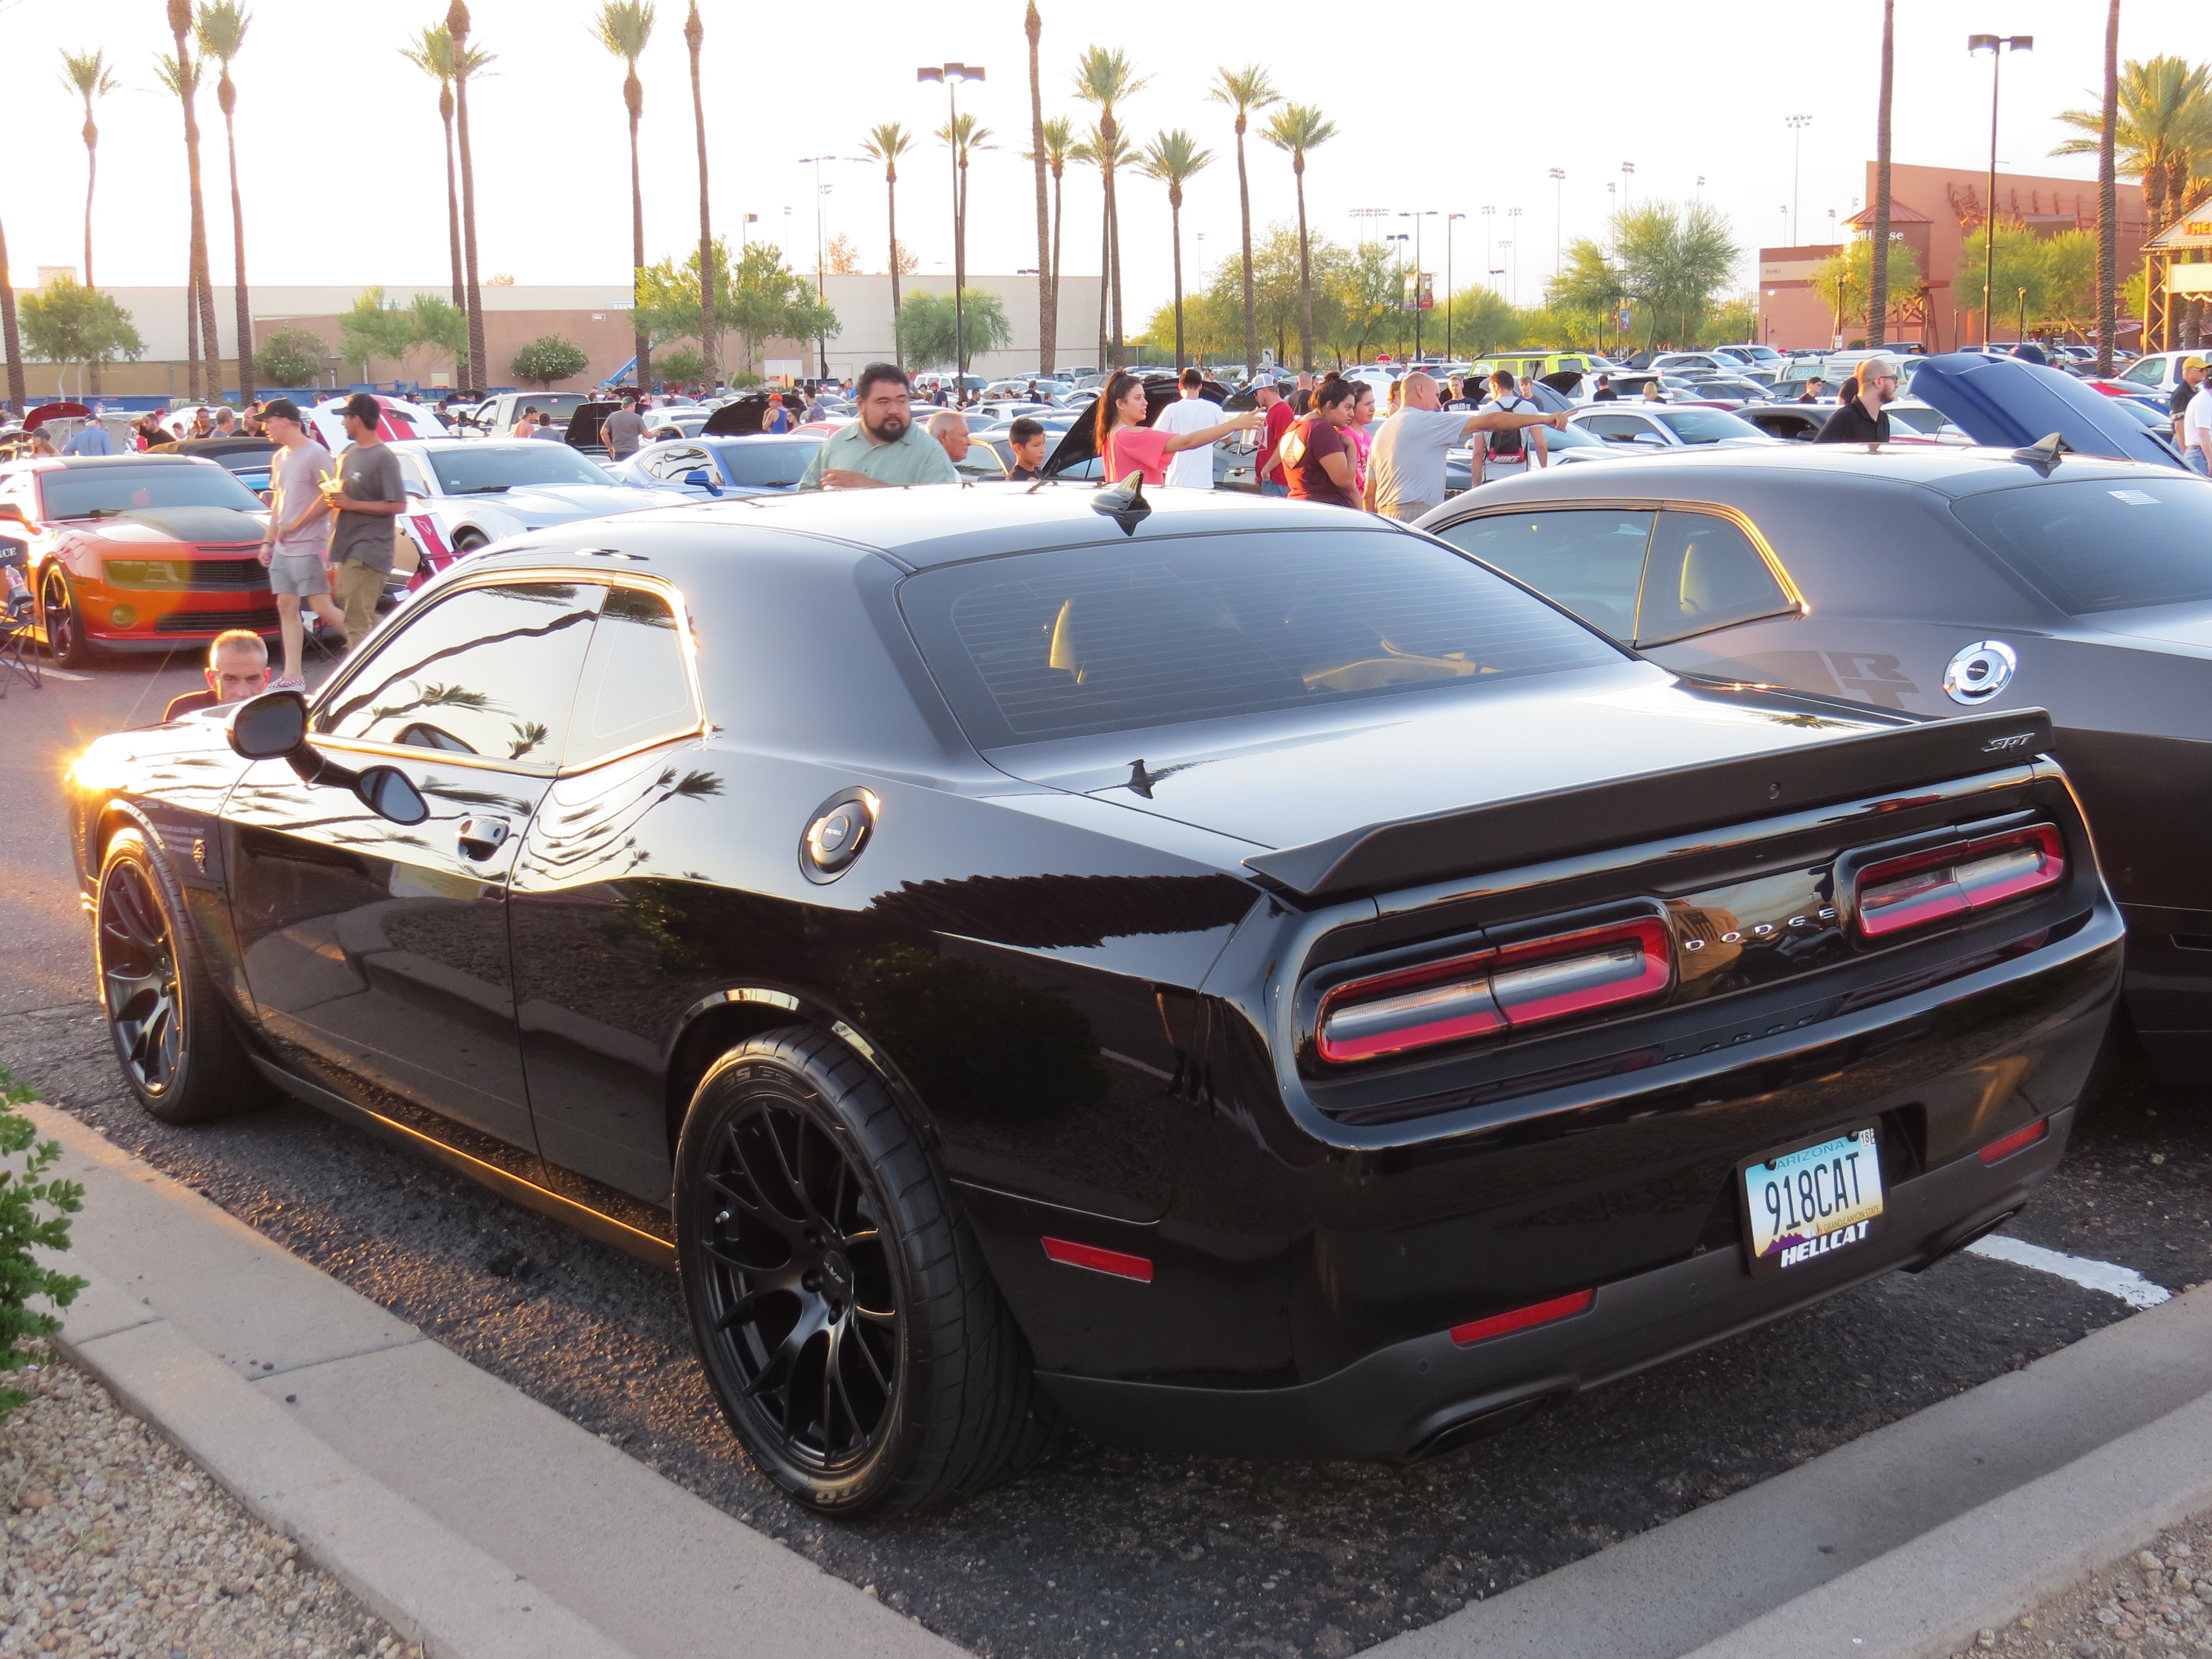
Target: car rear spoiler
[1534, 828]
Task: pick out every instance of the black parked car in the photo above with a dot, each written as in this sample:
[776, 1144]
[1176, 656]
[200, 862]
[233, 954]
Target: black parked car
[1236, 972]
[1936, 580]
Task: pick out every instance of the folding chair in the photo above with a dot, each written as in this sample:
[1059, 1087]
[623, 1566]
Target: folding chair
[16, 662]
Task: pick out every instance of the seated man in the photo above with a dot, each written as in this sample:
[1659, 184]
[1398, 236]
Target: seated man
[237, 669]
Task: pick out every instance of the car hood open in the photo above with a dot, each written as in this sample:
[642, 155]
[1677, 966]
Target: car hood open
[2008, 404]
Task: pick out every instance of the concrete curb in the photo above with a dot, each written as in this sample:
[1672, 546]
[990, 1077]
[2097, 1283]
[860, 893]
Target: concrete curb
[1927, 1599]
[425, 1581]
[468, 1516]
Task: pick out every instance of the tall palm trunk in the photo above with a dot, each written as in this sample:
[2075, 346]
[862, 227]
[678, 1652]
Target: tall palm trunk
[453, 216]
[226, 97]
[695, 32]
[1305, 270]
[1109, 131]
[1047, 271]
[891, 212]
[1878, 278]
[1244, 212]
[2108, 199]
[1175, 221]
[633, 96]
[1056, 221]
[456, 25]
[199, 304]
[1105, 282]
[91, 177]
[11, 342]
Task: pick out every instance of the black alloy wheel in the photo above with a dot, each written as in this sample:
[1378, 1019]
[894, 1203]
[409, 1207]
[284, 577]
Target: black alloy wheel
[180, 1054]
[851, 1333]
[66, 643]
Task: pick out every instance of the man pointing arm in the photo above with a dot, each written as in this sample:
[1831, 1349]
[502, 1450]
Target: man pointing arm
[1406, 465]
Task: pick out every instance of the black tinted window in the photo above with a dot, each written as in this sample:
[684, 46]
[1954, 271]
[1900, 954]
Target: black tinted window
[1050, 645]
[1704, 573]
[489, 671]
[2102, 544]
[1592, 562]
[83, 492]
[634, 689]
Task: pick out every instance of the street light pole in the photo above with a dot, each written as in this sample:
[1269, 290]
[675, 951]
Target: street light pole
[821, 342]
[1559, 213]
[1996, 46]
[1488, 214]
[1424, 212]
[1450, 220]
[1515, 213]
[1796, 124]
[949, 76]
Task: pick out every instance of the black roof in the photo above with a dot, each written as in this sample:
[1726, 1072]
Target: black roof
[134, 459]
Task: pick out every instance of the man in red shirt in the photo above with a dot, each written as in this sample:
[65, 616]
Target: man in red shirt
[1278, 418]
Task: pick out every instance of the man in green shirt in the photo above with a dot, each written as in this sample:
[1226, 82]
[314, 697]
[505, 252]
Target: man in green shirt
[883, 447]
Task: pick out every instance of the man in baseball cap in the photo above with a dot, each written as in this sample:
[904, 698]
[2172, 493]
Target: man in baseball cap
[2193, 436]
[293, 549]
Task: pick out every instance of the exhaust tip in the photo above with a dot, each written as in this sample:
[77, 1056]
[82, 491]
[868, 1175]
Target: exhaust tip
[1480, 1425]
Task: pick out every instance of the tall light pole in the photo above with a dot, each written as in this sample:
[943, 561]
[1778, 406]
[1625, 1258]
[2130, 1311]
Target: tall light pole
[1627, 172]
[1450, 220]
[949, 76]
[1367, 216]
[821, 342]
[1511, 213]
[1488, 214]
[1505, 251]
[1996, 46]
[1796, 124]
[1559, 213]
[1417, 216]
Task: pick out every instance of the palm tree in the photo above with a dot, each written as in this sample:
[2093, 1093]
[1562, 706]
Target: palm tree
[1878, 271]
[886, 144]
[623, 27]
[1094, 152]
[434, 57]
[11, 342]
[1104, 78]
[1047, 272]
[2108, 197]
[1245, 90]
[964, 137]
[1057, 137]
[219, 28]
[2162, 130]
[183, 78]
[466, 63]
[1172, 158]
[86, 74]
[1298, 129]
[695, 33]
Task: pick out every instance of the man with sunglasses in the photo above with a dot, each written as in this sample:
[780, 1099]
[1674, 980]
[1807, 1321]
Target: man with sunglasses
[1861, 419]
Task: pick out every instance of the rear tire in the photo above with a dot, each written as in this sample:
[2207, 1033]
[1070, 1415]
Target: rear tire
[847, 1324]
[180, 1053]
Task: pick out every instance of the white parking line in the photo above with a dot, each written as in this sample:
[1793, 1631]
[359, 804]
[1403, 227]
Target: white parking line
[2130, 1287]
[61, 673]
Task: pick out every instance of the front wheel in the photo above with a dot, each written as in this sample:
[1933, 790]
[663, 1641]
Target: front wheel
[851, 1332]
[66, 642]
[180, 1053]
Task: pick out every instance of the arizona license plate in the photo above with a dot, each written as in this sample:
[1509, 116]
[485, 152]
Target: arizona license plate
[1806, 1205]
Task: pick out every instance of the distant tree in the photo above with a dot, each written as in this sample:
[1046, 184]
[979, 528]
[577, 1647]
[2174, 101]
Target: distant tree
[926, 334]
[1366, 286]
[1845, 280]
[66, 323]
[681, 367]
[439, 323]
[766, 301]
[546, 359]
[376, 327]
[294, 358]
[844, 259]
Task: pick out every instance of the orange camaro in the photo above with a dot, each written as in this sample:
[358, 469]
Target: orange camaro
[137, 552]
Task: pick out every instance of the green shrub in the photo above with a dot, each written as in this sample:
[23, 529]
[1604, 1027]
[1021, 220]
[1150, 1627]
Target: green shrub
[33, 1212]
[546, 359]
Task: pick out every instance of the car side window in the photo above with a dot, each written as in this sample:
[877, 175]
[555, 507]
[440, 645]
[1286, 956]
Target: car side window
[635, 687]
[673, 464]
[413, 477]
[490, 672]
[1590, 562]
[1618, 429]
[2149, 371]
[1704, 573]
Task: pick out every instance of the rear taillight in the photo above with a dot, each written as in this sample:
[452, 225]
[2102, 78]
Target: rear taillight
[1492, 991]
[1539, 1313]
[1924, 887]
[2018, 1141]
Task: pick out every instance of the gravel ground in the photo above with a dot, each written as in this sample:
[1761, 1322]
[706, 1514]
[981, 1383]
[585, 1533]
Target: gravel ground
[117, 1544]
[2152, 1604]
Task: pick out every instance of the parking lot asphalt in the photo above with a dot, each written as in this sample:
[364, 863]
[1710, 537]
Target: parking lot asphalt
[1100, 1551]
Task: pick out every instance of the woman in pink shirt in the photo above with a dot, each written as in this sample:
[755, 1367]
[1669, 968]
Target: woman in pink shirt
[1127, 445]
[1358, 435]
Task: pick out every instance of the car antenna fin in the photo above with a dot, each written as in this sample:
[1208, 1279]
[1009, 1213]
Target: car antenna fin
[2043, 455]
[1124, 504]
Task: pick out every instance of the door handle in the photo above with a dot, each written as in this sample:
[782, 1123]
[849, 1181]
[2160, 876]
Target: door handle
[480, 837]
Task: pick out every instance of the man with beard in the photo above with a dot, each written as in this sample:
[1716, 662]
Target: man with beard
[884, 446]
[1861, 418]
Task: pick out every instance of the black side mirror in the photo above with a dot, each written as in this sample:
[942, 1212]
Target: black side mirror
[387, 792]
[270, 726]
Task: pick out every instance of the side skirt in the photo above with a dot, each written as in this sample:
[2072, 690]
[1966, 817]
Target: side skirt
[648, 1248]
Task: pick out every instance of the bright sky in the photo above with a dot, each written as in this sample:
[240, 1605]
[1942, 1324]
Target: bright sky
[343, 166]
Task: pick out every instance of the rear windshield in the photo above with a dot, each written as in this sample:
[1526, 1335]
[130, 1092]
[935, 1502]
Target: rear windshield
[1110, 639]
[769, 466]
[2102, 544]
[87, 492]
[1706, 426]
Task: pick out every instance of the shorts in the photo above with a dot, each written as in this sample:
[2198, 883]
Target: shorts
[302, 573]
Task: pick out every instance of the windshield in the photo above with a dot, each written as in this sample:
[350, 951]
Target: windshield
[1110, 639]
[483, 468]
[2102, 544]
[557, 403]
[2151, 371]
[1927, 422]
[765, 466]
[1706, 426]
[86, 492]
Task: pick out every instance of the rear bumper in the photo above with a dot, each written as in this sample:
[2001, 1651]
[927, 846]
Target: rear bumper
[1425, 1395]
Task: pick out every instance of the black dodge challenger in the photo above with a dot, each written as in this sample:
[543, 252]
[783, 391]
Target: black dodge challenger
[1237, 975]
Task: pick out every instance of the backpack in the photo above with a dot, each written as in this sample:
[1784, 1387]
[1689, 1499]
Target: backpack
[1507, 446]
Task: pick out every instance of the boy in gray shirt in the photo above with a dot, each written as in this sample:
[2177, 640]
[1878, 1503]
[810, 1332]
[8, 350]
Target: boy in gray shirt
[294, 549]
[364, 498]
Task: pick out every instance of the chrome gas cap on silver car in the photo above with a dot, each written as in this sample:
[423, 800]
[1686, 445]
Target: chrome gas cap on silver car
[1980, 672]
